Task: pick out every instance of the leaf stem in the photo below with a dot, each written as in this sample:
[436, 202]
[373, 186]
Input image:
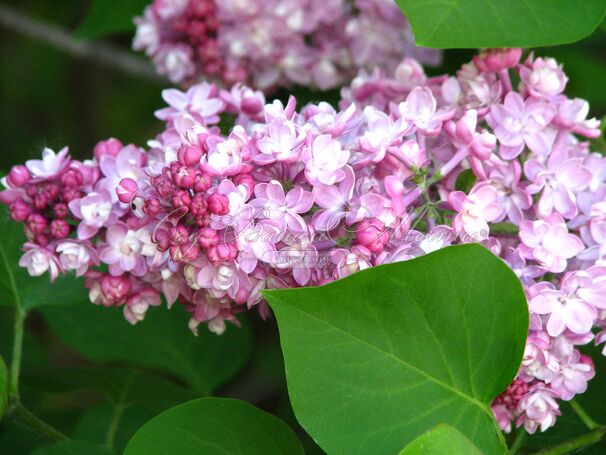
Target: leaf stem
[576, 443]
[586, 418]
[15, 368]
[119, 407]
[23, 415]
[518, 441]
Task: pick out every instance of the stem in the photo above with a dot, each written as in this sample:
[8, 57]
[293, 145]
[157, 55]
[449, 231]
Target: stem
[23, 415]
[576, 443]
[518, 441]
[96, 52]
[587, 420]
[20, 315]
[119, 407]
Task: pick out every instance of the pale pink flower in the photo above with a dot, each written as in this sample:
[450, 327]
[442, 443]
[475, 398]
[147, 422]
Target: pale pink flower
[475, 210]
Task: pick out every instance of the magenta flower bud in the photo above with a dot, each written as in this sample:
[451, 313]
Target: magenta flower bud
[203, 219]
[185, 253]
[41, 239]
[189, 155]
[183, 176]
[151, 207]
[40, 201]
[59, 229]
[19, 211]
[495, 60]
[72, 178]
[110, 147]
[372, 235]
[115, 289]
[162, 185]
[198, 205]
[218, 204]
[178, 235]
[52, 191]
[222, 252]
[207, 237]
[61, 210]
[246, 180]
[18, 176]
[181, 198]
[37, 223]
[70, 194]
[202, 183]
[126, 189]
[162, 239]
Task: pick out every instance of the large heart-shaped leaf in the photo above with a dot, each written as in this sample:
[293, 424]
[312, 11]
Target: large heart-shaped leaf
[442, 439]
[20, 289]
[214, 426]
[162, 341]
[376, 359]
[499, 23]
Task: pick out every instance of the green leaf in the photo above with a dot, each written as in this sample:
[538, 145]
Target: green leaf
[3, 387]
[73, 447]
[441, 440]
[377, 358]
[160, 341]
[110, 16]
[465, 181]
[214, 426]
[499, 23]
[20, 289]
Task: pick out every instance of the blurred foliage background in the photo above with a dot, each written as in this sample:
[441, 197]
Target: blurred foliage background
[49, 98]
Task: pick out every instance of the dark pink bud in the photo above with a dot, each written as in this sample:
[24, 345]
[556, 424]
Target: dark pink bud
[198, 205]
[40, 201]
[18, 176]
[189, 155]
[70, 194]
[110, 147]
[203, 219]
[207, 237]
[31, 191]
[115, 289]
[61, 210]
[72, 178]
[59, 229]
[184, 177]
[495, 60]
[151, 207]
[181, 198]
[222, 252]
[52, 191]
[178, 235]
[218, 204]
[37, 223]
[126, 189]
[41, 239]
[202, 182]
[19, 211]
[162, 185]
[185, 253]
[372, 235]
[162, 239]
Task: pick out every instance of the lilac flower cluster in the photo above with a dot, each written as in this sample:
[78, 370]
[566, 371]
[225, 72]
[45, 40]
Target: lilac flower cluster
[289, 198]
[269, 43]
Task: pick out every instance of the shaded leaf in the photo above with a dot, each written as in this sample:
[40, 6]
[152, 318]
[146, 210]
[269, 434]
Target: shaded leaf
[498, 23]
[441, 440]
[214, 426]
[17, 287]
[73, 447]
[109, 16]
[378, 358]
[160, 341]
[4, 385]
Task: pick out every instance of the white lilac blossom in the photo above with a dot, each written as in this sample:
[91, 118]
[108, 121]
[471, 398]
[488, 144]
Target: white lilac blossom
[285, 198]
[271, 43]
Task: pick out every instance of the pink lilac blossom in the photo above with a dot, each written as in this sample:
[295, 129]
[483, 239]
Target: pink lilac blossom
[285, 198]
[271, 43]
